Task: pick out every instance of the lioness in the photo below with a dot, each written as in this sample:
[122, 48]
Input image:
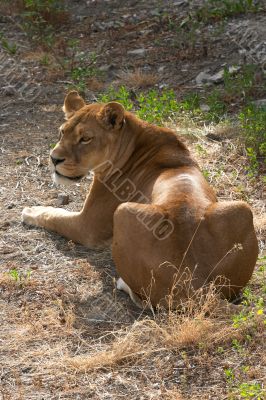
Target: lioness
[149, 199]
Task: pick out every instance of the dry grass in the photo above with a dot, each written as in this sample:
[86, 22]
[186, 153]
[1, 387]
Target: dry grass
[205, 321]
[138, 79]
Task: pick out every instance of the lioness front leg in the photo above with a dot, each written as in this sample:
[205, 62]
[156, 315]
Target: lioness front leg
[92, 227]
[65, 223]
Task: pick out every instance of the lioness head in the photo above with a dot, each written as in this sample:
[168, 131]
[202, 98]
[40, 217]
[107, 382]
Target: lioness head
[86, 138]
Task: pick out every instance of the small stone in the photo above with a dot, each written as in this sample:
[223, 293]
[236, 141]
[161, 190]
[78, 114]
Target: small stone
[63, 199]
[259, 103]
[137, 52]
[233, 69]
[205, 107]
[202, 77]
[156, 12]
[205, 78]
[106, 67]
[179, 3]
[218, 77]
[9, 91]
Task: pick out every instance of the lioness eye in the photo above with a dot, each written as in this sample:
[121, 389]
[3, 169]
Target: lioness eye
[85, 140]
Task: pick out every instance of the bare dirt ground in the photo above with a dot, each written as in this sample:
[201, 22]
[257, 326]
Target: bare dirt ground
[66, 333]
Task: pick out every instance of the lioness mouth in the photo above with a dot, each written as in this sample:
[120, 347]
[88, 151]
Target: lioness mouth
[72, 178]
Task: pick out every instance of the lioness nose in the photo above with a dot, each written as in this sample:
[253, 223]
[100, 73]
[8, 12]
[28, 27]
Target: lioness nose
[56, 161]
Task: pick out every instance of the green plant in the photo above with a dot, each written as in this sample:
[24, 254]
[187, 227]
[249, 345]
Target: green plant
[121, 95]
[241, 318]
[156, 107]
[253, 123]
[251, 390]
[241, 85]
[236, 345]
[187, 33]
[253, 160]
[229, 375]
[220, 9]
[218, 108]
[19, 277]
[153, 106]
[200, 150]
[40, 17]
[242, 390]
[82, 68]
[11, 48]
[251, 299]
[191, 102]
[45, 60]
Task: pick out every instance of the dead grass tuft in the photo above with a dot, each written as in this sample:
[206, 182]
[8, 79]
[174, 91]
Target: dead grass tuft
[138, 79]
[171, 331]
[94, 84]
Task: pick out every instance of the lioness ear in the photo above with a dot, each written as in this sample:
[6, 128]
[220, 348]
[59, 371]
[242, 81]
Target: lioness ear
[73, 102]
[112, 115]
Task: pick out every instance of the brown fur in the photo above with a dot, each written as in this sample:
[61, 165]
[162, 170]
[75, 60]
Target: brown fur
[151, 201]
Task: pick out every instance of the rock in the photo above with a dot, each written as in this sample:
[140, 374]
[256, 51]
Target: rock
[202, 77]
[218, 77]
[106, 67]
[214, 136]
[179, 3]
[137, 52]
[233, 69]
[205, 78]
[205, 107]
[102, 26]
[163, 85]
[259, 103]
[156, 12]
[9, 91]
[62, 199]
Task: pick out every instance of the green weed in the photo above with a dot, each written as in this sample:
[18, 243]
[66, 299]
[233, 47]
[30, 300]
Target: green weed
[253, 123]
[153, 106]
[251, 390]
[122, 95]
[40, 17]
[82, 68]
[45, 60]
[218, 109]
[20, 278]
[11, 48]
[156, 107]
[236, 345]
[229, 375]
[242, 390]
[220, 9]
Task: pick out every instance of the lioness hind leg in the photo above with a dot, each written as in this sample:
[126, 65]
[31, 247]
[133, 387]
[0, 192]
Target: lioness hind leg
[141, 255]
[233, 247]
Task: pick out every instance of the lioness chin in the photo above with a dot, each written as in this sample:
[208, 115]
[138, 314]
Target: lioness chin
[149, 199]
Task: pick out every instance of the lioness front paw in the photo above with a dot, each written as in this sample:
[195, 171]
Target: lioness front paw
[34, 215]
